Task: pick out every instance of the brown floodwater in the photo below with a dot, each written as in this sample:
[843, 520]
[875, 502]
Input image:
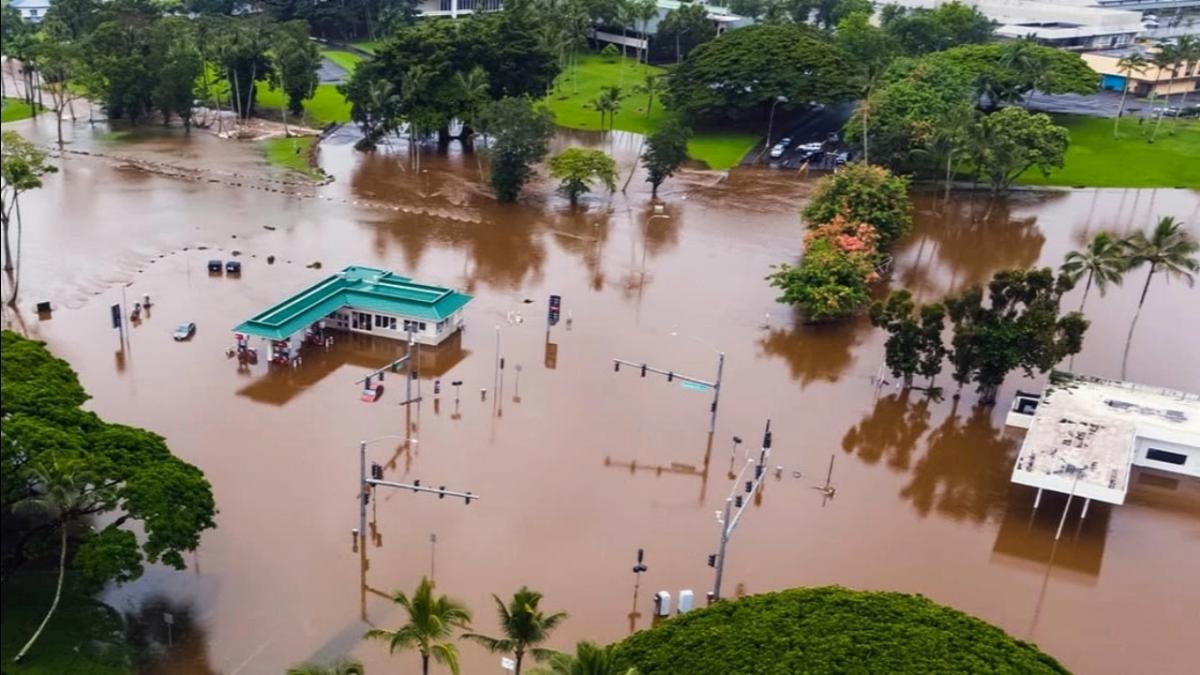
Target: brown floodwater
[578, 466]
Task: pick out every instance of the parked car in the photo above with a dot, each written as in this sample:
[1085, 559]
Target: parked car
[184, 331]
[214, 266]
[780, 148]
[233, 267]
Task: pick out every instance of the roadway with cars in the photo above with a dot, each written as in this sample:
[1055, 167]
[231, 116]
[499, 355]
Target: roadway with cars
[813, 137]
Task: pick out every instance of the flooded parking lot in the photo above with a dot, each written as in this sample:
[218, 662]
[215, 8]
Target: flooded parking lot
[579, 466]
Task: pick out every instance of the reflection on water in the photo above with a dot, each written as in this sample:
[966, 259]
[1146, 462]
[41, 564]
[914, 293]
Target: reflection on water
[923, 499]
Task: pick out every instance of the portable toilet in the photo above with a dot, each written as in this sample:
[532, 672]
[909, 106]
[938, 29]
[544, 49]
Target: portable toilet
[685, 601]
[662, 603]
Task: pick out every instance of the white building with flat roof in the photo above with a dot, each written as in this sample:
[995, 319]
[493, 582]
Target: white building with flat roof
[1069, 24]
[1086, 434]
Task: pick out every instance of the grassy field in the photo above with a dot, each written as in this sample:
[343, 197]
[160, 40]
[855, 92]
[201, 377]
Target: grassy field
[368, 46]
[347, 60]
[325, 107]
[84, 636]
[291, 153]
[15, 109]
[1095, 159]
[571, 103]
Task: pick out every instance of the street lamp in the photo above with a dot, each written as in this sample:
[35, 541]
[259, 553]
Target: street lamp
[771, 121]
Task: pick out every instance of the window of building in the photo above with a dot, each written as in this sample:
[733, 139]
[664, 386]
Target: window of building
[388, 322]
[1166, 456]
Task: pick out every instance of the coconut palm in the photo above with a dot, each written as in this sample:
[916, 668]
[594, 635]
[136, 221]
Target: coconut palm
[524, 626]
[431, 622]
[1165, 58]
[337, 668]
[1169, 249]
[1174, 58]
[588, 659]
[1102, 262]
[1134, 63]
[650, 86]
[66, 492]
[1188, 49]
[645, 11]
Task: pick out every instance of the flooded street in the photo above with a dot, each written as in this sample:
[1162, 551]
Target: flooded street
[579, 466]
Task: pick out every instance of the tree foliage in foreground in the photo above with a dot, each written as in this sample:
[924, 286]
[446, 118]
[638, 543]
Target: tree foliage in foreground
[829, 630]
[136, 481]
[741, 73]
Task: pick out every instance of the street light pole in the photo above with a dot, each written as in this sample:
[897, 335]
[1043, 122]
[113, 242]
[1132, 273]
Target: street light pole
[712, 422]
[730, 519]
[771, 122]
[721, 549]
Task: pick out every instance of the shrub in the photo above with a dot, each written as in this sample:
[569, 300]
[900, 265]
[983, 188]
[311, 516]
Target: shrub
[829, 283]
[862, 193]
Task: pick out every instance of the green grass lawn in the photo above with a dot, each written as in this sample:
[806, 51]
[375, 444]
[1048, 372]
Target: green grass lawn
[84, 636]
[368, 46]
[327, 104]
[1095, 159]
[347, 60]
[291, 153]
[15, 109]
[574, 91]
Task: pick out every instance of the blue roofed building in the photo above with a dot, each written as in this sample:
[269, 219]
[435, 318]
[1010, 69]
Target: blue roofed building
[363, 300]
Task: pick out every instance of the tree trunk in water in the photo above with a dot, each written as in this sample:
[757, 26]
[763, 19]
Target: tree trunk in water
[633, 170]
[1133, 324]
[949, 171]
[8, 257]
[424, 663]
[519, 657]
[62, 571]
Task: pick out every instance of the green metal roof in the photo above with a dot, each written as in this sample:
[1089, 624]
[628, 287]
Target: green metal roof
[362, 288]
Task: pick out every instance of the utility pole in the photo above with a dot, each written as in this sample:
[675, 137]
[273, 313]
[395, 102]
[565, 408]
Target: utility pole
[735, 506]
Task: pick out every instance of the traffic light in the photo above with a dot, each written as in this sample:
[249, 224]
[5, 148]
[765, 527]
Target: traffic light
[670, 376]
[501, 363]
[442, 492]
[376, 471]
[467, 499]
[366, 496]
[737, 501]
[417, 484]
[616, 366]
[712, 559]
[643, 370]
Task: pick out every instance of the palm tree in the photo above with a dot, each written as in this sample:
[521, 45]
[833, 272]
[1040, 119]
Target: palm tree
[588, 659]
[1128, 65]
[524, 625]
[67, 493]
[1169, 249]
[1188, 48]
[1175, 58]
[1165, 58]
[645, 11]
[1102, 261]
[651, 86]
[346, 667]
[431, 620]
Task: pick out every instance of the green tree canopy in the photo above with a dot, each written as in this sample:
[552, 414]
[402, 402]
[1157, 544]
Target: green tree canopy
[742, 72]
[666, 151]
[920, 31]
[829, 630]
[577, 168]
[1006, 143]
[681, 31]
[1015, 325]
[829, 283]
[164, 498]
[861, 193]
[520, 138]
[297, 60]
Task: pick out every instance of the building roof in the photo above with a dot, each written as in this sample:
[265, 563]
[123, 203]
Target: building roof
[29, 4]
[362, 288]
[1084, 432]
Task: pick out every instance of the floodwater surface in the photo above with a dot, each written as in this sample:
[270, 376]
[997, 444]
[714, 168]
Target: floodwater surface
[578, 466]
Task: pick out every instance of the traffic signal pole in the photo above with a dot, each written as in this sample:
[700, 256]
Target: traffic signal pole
[365, 483]
[732, 517]
[672, 376]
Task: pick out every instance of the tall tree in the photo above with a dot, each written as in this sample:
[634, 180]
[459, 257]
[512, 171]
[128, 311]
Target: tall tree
[873, 51]
[65, 492]
[1187, 48]
[1127, 65]
[296, 60]
[902, 350]
[174, 50]
[666, 151]
[1018, 326]
[1176, 58]
[683, 29]
[1163, 59]
[863, 194]
[920, 31]
[22, 166]
[520, 136]
[432, 621]
[1102, 261]
[933, 352]
[1169, 250]
[1007, 143]
[524, 625]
